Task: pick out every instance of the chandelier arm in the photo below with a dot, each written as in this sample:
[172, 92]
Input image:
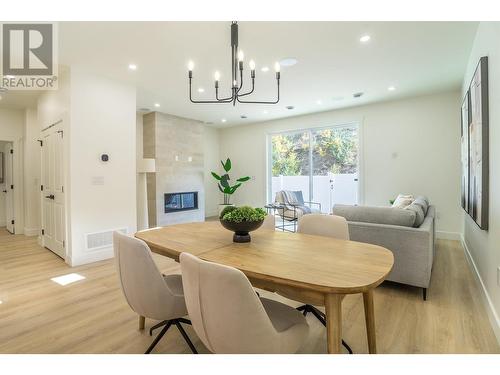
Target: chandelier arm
[251, 91]
[226, 100]
[241, 82]
[204, 101]
[262, 102]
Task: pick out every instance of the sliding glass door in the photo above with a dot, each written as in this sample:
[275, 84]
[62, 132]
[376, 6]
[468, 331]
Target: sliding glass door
[322, 163]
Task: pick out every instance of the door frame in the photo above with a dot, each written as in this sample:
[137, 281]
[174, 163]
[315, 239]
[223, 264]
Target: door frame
[58, 126]
[269, 154]
[18, 180]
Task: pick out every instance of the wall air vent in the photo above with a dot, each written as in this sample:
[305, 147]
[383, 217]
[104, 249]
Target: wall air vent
[101, 240]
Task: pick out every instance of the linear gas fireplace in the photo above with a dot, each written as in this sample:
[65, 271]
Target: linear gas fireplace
[175, 202]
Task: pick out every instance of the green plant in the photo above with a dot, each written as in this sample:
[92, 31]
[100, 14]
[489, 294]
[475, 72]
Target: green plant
[226, 210]
[244, 213]
[223, 181]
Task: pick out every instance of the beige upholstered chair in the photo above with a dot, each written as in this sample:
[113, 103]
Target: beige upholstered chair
[327, 226]
[229, 317]
[269, 222]
[149, 293]
[324, 225]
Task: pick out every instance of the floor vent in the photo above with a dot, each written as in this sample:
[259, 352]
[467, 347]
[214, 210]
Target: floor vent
[100, 240]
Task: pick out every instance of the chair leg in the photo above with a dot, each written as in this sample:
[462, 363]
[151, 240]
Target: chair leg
[142, 322]
[424, 290]
[161, 324]
[185, 336]
[185, 321]
[158, 338]
[322, 318]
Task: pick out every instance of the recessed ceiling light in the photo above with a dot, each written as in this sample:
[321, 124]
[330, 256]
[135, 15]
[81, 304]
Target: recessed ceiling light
[265, 69]
[357, 95]
[243, 116]
[201, 89]
[132, 66]
[157, 105]
[391, 88]
[289, 61]
[319, 102]
[365, 38]
[223, 120]
[289, 107]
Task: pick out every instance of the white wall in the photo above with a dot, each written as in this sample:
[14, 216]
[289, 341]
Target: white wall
[103, 120]
[212, 158]
[484, 246]
[410, 146]
[31, 173]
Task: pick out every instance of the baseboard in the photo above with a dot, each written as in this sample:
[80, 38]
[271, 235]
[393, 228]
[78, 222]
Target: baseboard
[31, 231]
[91, 257]
[488, 304]
[442, 235]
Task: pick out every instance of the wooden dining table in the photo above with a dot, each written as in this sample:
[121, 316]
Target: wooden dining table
[314, 270]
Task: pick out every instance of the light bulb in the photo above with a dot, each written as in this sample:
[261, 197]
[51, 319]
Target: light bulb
[241, 55]
[190, 65]
[252, 65]
[235, 83]
[217, 75]
[277, 67]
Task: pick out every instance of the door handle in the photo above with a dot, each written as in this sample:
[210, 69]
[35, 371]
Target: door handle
[51, 196]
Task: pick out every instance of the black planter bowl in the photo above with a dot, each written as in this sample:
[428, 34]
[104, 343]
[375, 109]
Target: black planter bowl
[241, 230]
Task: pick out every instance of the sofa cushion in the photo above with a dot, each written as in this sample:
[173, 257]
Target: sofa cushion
[419, 213]
[402, 201]
[376, 215]
[422, 202]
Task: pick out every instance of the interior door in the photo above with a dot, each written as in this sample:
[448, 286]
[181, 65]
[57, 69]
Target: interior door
[9, 189]
[53, 212]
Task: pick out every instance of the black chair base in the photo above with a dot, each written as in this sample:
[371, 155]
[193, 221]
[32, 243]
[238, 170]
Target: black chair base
[167, 324]
[322, 318]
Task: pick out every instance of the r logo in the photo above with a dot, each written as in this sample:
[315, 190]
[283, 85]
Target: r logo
[27, 49]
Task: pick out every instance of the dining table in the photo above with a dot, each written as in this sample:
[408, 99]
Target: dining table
[310, 269]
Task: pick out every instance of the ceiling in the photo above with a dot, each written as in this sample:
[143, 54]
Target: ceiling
[414, 57]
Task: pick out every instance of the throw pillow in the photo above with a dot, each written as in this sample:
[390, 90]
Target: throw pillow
[403, 201]
[419, 212]
[422, 202]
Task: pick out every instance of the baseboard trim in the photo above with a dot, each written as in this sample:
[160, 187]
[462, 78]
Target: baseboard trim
[94, 256]
[31, 231]
[443, 235]
[488, 304]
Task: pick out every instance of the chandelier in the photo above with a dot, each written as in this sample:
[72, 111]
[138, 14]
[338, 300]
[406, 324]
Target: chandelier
[237, 82]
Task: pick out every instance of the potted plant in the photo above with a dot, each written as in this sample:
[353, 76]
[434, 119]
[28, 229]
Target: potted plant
[241, 221]
[224, 185]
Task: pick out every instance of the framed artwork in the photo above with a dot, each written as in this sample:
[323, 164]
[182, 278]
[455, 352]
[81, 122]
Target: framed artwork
[475, 142]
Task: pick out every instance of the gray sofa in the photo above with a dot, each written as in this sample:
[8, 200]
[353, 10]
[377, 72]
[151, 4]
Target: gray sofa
[396, 229]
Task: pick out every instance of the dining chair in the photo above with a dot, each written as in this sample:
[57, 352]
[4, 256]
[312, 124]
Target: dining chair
[149, 293]
[269, 222]
[229, 317]
[326, 226]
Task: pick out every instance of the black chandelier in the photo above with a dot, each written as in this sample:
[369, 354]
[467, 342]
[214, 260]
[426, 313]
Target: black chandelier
[237, 84]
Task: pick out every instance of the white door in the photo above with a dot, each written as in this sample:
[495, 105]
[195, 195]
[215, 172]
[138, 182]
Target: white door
[53, 213]
[9, 188]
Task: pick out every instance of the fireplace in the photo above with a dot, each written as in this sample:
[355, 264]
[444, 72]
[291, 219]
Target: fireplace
[175, 202]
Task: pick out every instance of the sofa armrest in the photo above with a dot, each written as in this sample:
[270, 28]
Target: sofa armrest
[413, 248]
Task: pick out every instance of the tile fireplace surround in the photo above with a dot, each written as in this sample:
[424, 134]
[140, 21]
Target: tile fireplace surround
[177, 146]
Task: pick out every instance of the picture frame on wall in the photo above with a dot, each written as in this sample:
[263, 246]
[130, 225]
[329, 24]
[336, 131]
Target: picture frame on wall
[475, 147]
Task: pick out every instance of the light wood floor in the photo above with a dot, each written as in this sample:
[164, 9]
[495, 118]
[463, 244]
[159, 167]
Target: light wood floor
[91, 316]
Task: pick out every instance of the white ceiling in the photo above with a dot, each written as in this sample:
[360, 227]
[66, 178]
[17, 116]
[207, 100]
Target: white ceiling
[415, 57]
